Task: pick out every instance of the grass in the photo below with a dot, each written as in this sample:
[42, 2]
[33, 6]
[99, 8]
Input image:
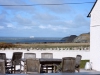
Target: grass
[83, 62]
[52, 45]
[82, 65]
[44, 45]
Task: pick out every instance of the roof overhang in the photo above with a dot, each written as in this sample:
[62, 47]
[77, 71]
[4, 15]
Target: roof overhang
[89, 15]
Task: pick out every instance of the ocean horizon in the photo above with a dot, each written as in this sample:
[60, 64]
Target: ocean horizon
[31, 39]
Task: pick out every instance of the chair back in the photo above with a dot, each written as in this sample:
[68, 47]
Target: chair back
[32, 66]
[16, 58]
[68, 64]
[78, 59]
[29, 55]
[3, 57]
[2, 66]
[47, 55]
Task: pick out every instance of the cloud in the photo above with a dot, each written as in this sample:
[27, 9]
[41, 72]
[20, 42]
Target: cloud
[45, 17]
[9, 25]
[3, 19]
[78, 21]
[23, 21]
[1, 27]
[27, 27]
[54, 8]
[16, 8]
[51, 27]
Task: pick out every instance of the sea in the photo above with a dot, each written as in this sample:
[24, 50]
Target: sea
[31, 40]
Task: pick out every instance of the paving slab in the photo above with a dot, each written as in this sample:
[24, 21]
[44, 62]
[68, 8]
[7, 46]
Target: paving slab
[84, 70]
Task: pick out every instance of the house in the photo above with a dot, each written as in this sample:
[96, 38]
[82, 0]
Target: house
[94, 15]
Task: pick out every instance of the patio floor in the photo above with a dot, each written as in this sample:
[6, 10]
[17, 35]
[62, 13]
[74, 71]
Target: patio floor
[84, 70]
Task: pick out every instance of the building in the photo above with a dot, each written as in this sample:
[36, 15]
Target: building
[94, 15]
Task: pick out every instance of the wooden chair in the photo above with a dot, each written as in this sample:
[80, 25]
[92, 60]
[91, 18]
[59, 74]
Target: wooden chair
[15, 61]
[68, 64]
[47, 67]
[77, 63]
[2, 66]
[3, 57]
[28, 56]
[32, 66]
[47, 55]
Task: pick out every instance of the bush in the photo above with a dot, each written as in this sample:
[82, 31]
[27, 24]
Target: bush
[6, 45]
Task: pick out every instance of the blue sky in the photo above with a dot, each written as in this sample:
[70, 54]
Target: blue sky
[44, 20]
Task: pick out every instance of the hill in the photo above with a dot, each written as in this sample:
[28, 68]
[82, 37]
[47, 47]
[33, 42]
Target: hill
[82, 38]
[69, 38]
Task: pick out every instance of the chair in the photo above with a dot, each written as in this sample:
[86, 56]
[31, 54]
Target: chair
[78, 61]
[47, 55]
[3, 57]
[68, 64]
[2, 66]
[32, 66]
[15, 61]
[28, 56]
[47, 67]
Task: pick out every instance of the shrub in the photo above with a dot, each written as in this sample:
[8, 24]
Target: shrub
[6, 45]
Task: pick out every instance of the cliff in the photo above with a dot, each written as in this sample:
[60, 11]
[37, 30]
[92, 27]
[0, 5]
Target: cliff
[82, 38]
[69, 38]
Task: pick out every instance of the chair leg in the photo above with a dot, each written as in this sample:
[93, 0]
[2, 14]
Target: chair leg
[52, 68]
[14, 68]
[20, 67]
[78, 69]
[46, 69]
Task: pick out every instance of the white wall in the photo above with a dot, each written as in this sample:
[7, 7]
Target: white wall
[95, 37]
[56, 53]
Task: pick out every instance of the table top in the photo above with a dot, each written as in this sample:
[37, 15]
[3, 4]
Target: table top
[46, 60]
[52, 61]
[81, 73]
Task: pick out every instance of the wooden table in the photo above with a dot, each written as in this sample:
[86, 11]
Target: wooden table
[44, 61]
[53, 62]
[50, 61]
[81, 73]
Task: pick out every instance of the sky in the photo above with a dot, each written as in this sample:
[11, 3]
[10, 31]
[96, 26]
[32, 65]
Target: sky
[44, 20]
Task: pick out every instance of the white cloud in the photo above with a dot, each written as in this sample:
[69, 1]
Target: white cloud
[23, 21]
[16, 8]
[27, 27]
[45, 17]
[78, 21]
[9, 25]
[42, 27]
[55, 28]
[54, 8]
[1, 27]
